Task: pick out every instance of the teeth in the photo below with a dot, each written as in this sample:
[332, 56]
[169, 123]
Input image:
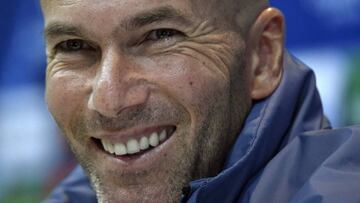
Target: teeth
[144, 143]
[162, 136]
[104, 143]
[110, 148]
[154, 139]
[120, 149]
[132, 146]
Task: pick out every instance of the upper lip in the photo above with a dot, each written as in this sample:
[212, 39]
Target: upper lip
[132, 133]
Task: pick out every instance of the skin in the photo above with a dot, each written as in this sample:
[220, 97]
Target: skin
[113, 77]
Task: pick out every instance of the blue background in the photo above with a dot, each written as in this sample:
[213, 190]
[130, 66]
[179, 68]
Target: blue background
[314, 23]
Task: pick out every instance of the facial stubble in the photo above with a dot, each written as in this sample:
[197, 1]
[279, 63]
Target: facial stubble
[198, 158]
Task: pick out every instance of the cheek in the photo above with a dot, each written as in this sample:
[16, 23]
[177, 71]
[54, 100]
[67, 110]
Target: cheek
[190, 81]
[65, 93]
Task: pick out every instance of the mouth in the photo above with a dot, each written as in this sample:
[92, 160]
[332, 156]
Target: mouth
[135, 146]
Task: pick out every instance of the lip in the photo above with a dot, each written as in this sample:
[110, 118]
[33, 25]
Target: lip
[136, 162]
[136, 133]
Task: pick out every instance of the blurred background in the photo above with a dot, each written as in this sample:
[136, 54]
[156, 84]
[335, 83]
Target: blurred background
[33, 156]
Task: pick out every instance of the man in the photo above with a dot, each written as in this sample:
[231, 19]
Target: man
[197, 101]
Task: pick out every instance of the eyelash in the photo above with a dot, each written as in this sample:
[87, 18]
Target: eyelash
[65, 46]
[159, 34]
[74, 45]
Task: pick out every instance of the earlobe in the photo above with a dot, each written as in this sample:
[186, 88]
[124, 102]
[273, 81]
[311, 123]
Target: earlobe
[265, 49]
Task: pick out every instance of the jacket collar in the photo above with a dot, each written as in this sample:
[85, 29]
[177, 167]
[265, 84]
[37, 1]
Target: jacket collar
[293, 108]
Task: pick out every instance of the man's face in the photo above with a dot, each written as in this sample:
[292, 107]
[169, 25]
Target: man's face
[150, 94]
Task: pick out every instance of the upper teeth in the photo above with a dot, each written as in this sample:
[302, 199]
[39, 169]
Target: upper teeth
[133, 146]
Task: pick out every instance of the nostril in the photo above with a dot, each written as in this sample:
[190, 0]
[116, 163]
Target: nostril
[106, 105]
[111, 101]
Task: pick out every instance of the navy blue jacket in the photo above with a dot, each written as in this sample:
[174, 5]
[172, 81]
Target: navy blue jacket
[286, 152]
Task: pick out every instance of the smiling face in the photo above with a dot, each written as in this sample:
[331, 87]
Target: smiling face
[150, 94]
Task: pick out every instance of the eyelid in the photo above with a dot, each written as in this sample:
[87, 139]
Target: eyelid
[85, 45]
[174, 33]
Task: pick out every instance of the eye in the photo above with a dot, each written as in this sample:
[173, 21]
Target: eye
[72, 45]
[163, 34]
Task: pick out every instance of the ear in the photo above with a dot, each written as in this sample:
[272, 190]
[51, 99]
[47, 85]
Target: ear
[265, 49]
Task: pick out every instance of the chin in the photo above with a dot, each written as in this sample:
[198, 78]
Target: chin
[140, 193]
[161, 181]
[137, 187]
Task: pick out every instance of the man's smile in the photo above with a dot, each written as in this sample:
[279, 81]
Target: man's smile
[131, 145]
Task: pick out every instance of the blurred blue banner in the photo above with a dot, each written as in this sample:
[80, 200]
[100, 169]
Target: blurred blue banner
[22, 54]
[321, 22]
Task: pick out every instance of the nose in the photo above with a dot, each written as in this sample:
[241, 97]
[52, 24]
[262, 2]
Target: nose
[117, 86]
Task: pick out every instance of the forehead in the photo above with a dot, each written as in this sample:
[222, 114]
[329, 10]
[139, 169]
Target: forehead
[109, 7]
[108, 14]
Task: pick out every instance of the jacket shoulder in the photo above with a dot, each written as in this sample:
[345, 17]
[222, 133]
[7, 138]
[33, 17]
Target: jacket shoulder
[75, 188]
[317, 166]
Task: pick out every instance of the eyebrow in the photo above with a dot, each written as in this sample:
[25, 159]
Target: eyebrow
[139, 20]
[59, 28]
[155, 15]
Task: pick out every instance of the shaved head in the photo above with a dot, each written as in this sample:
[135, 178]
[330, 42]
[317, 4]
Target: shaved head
[237, 14]
[247, 11]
